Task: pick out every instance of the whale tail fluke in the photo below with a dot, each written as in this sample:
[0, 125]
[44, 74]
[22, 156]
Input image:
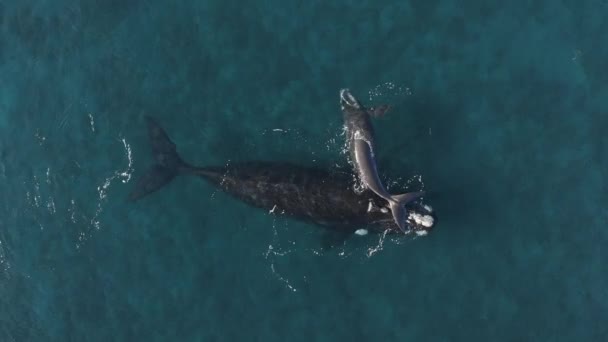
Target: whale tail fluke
[397, 204]
[168, 162]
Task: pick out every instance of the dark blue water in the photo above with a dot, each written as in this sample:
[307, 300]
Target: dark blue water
[500, 109]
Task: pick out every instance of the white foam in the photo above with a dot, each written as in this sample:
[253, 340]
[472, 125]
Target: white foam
[92, 122]
[428, 208]
[361, 232]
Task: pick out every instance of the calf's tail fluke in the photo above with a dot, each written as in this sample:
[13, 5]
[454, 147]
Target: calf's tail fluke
[397, 204]
[168, 162]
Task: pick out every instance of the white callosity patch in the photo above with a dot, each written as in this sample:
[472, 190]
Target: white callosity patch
[423, 220]
[348, 98]
[361, 232]
[428, 208]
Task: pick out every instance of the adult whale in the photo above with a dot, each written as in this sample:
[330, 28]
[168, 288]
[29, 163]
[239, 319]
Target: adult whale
[315, 195]
[360, 143]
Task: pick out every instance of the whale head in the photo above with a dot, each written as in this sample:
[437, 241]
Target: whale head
[420, 219]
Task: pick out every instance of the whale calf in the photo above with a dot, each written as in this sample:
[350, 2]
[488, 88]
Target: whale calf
[320, 196]
[360, 143]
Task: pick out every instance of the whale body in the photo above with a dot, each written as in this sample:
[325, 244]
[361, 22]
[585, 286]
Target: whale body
[320, 196]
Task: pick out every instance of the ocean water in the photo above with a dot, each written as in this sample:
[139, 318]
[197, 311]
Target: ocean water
[500, 110]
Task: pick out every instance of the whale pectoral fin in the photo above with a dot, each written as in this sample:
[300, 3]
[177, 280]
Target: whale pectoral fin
[332, 239]
[378, 111]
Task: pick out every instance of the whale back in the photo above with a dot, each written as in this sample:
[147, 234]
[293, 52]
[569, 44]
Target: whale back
[321, 196]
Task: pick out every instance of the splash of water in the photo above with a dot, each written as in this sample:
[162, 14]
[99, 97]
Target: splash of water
[273, 252]
[380, 246]
[102, 191]
[389, 89]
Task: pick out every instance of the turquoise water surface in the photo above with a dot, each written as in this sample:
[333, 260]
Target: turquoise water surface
[500, 110]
